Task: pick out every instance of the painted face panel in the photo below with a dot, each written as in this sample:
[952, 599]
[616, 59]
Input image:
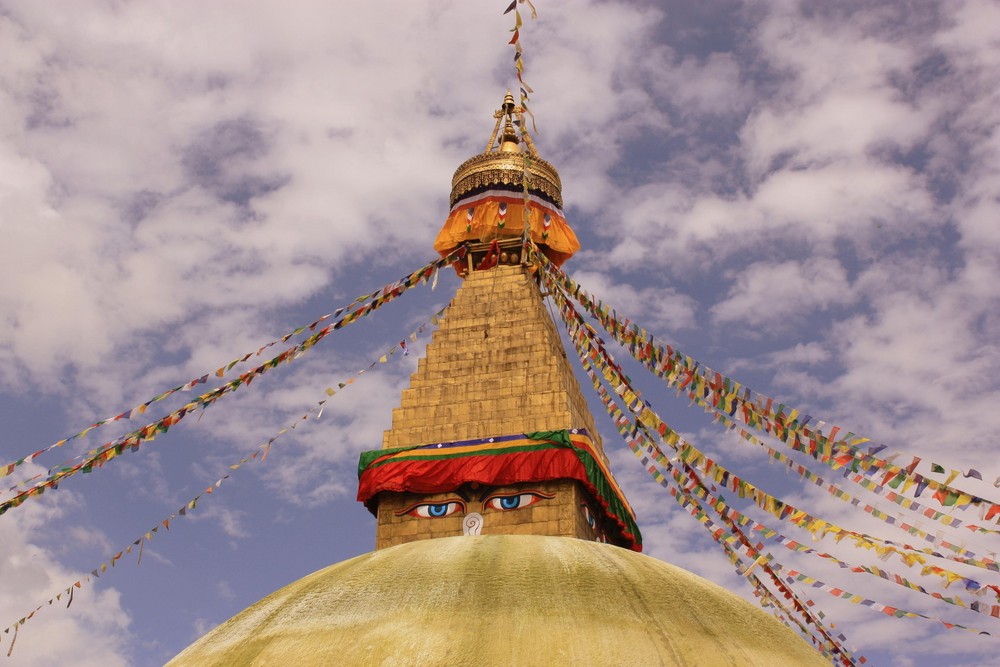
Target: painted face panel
[473, 505]
[545, 507]
[503, 499]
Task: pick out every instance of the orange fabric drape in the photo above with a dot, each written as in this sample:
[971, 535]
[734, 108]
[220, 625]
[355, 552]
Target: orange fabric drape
[480, 220]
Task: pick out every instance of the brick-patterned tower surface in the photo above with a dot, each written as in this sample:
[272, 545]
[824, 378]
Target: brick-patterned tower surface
[493, 434]
[496, 365]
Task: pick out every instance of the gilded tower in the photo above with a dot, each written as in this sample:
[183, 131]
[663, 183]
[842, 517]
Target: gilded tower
[493, 436]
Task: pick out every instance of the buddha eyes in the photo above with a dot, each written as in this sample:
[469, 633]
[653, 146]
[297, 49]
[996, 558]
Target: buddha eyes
[514, 501]
[502, 502]
[435, 510]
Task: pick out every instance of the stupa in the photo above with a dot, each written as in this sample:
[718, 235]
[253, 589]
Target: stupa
[502, 536]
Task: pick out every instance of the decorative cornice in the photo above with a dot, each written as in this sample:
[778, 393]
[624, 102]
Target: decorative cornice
[503, 168]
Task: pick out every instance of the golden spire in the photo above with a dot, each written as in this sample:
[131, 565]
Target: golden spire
[505, 164]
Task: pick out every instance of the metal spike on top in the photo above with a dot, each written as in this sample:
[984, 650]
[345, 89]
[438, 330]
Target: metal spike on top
[510, 140]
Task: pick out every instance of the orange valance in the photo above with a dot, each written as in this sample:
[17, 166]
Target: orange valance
[500, 214]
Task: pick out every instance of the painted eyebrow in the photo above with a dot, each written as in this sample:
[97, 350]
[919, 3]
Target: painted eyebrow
[486, 491]
[533, 492]
[442, 502]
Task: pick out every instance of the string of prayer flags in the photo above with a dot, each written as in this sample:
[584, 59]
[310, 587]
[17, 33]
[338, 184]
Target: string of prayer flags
[731, 544]
[825, 643]
[643, 347]
[384, 358]
[733, 400]
[419, 276]
[718, 503]
[258, 454]
[722, 476]
[892, 480]
[624, 423]
[778, 508]
[515, 40]
[140, 542]
[735, 542]
[689, 485]
[832, 648]
[721, 507]
[963, 555]
[97, 458]
[792, 576]
[526, 210]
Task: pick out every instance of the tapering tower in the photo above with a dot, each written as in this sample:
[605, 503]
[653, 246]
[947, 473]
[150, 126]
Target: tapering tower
[493, 436]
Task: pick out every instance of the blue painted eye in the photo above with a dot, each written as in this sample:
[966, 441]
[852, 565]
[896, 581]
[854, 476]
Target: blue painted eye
[510, 502]
[436, 510]
[513, 502]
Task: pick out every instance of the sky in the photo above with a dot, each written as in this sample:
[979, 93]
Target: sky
[804, 195]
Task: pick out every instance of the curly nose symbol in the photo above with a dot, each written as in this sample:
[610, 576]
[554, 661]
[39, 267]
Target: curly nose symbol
[472, 524]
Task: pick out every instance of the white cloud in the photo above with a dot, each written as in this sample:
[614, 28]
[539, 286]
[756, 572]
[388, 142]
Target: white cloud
[712, 86]
[661, 307]
[777, 296]
[839, 100]
[32, 574]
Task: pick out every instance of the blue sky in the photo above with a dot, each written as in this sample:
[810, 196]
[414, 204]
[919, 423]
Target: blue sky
[802, 194]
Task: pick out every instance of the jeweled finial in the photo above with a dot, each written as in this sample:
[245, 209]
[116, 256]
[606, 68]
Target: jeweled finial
[508, 103]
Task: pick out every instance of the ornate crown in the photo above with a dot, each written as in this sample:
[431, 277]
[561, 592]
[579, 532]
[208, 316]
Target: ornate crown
[505, 164]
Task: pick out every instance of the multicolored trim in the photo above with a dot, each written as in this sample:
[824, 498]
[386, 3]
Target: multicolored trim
[501, 460]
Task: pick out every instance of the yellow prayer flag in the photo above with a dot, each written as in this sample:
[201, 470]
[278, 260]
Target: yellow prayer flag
[907, 483]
